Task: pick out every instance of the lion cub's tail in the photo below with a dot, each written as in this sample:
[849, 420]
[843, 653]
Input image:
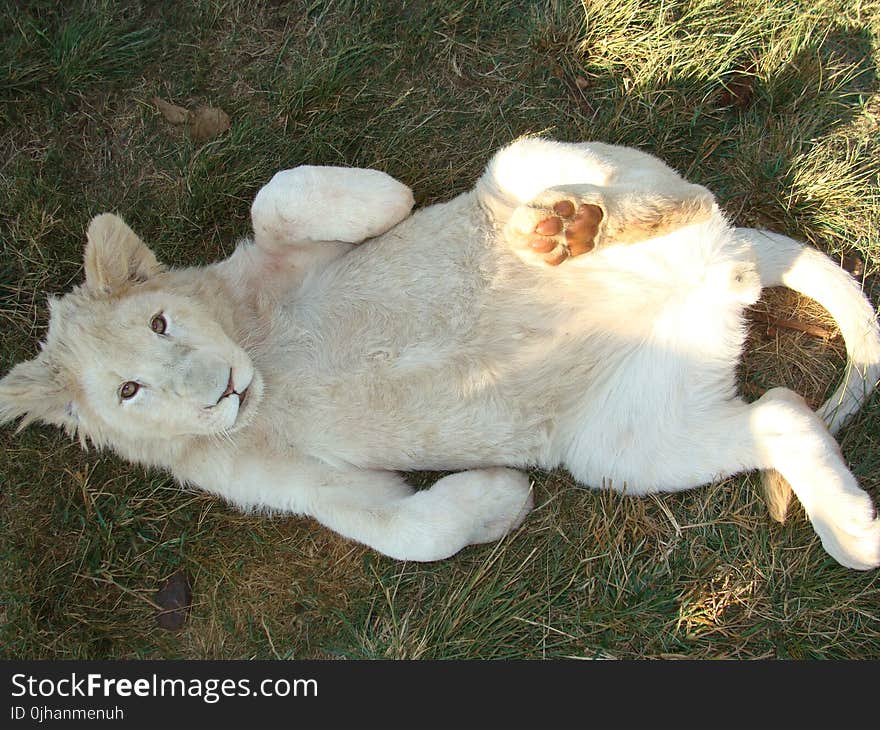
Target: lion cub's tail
[784, 262]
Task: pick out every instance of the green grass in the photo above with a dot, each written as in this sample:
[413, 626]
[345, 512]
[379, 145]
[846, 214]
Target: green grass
[425, 91]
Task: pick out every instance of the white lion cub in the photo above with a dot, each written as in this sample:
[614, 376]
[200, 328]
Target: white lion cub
[507, 328]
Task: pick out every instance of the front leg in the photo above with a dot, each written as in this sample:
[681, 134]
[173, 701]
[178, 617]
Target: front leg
[467, 508]
[571, 220]
[377, 508]
[304, 218]
[307, 205]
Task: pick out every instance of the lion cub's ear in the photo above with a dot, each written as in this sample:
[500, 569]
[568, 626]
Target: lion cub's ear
[115, 256]
[33, 391]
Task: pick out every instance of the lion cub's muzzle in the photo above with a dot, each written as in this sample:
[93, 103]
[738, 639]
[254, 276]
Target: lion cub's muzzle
[231, 390]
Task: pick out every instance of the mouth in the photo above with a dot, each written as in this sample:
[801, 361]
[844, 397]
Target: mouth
[230, 390]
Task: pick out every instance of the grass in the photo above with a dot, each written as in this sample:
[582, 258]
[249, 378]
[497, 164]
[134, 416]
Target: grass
[773, 105]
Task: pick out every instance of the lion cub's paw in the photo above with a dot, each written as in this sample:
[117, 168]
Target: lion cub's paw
[508, 497]
[850, 531]
[487, 503]
[550, 230]
[344, 204]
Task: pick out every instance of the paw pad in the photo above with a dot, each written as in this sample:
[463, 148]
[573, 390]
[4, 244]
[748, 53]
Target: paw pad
[569, 231]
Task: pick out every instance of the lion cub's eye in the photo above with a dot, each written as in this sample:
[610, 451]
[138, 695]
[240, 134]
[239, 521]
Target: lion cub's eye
[159, 324]
[128, 389]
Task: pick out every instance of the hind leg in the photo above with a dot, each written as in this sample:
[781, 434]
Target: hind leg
[779, 431]
[799, 446]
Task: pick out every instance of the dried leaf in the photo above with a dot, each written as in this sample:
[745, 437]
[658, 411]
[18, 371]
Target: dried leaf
[854, 265]
[207, 122]
[739, 89]
[174, 599]
[173, 113]
[578, 88]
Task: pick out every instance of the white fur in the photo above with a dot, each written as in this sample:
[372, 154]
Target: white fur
[443, 344]
[295, 206]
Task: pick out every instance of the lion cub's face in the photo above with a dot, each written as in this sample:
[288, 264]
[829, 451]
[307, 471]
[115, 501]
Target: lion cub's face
[126, 358]
[153, 363]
